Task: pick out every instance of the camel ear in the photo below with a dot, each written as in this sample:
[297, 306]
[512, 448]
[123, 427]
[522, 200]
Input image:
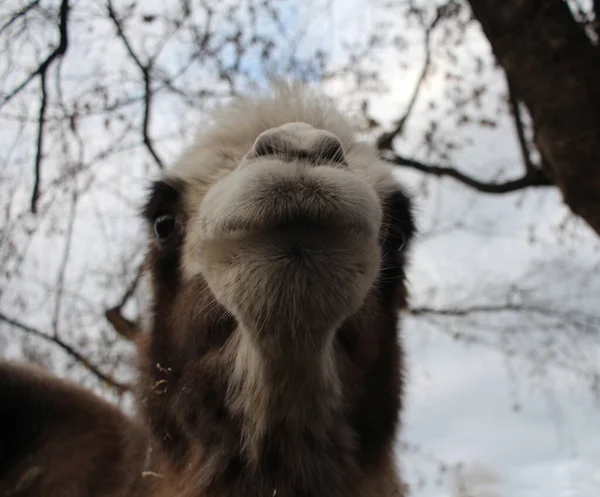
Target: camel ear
[398, 231]
[398, 220]
[400, 295]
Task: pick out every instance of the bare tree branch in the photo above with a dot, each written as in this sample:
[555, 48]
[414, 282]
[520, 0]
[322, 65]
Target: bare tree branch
[18, 15]
[533, 178]
[40, 142]
[384, 142]
[123, 326]
[130, 290]
[59, 51]
[559, 82]
[475, 309]
[60, 284]
[146, 119]
[516, 112]
[507, 307]
[121, 387]
[145, 70]
[41, 71]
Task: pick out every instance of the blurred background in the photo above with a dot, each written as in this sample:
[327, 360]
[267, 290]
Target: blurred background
[489, 109]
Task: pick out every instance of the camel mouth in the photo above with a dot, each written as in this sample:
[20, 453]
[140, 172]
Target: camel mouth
[298, 220]
[291, 233]
[283, 200]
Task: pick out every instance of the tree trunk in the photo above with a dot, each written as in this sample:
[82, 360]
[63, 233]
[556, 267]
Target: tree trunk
[555, 70]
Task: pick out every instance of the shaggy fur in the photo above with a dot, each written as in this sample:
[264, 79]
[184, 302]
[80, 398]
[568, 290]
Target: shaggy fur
[273, 366]
[58, 440]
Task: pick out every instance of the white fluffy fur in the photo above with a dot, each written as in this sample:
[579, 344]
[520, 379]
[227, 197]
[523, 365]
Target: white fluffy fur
[222, 145]
[214, 163]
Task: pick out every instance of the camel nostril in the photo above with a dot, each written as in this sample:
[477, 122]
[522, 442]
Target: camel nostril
[306, 144]
[330, 149]
[267, 144]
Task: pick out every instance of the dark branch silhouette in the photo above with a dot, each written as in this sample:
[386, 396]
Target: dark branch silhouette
[59, 51]
[60, 284]
[19, 14]
[578, 319]
[121, 387]
[516, 112]
[385, 141]
[123, 326]
[40, 142]
[145, 70]
[476, 309]
[533, 178]
[41, 71]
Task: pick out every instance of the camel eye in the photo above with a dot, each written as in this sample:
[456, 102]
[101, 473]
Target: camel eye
[164, 226]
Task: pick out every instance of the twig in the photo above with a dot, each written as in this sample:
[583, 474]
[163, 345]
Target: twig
[505, 307]
[123, 326]
[146, 120]
[534, 178]
[40, 143]
[474, 309]
[18, 15]
[121, 387]
[41, 71]
[60, 284]
[130, 290]
[148, 94]
[57, 52]
[516, 112]
[384, 142]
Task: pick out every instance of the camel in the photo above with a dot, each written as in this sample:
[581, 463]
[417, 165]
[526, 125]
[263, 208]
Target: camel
[272, 364]
[59, 440]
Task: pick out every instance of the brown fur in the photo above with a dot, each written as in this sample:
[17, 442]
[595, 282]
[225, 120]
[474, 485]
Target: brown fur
[58, 440]
[273, 367]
